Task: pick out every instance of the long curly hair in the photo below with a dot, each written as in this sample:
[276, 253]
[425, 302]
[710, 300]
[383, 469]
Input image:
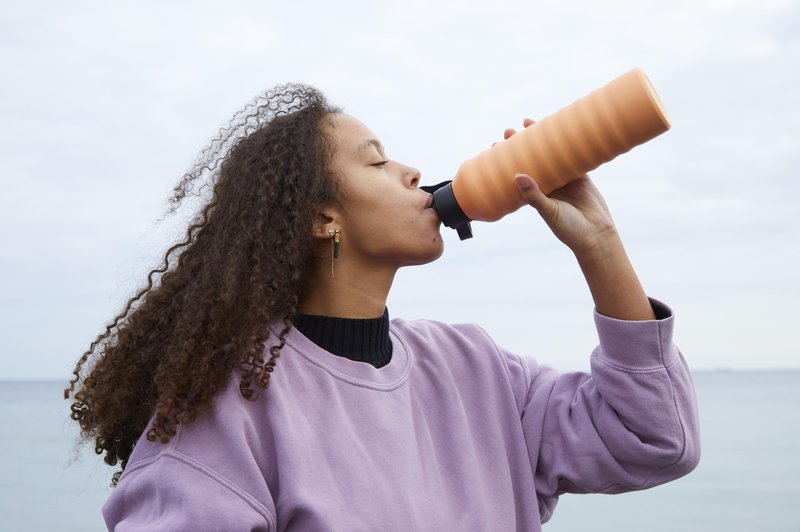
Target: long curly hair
[244, 263]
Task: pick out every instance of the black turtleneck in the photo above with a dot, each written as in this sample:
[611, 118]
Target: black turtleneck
[363, 340]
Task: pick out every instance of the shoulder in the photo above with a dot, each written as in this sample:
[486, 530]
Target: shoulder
[457, 343]
[470, 354]
[433, 332]
[222, 418]
[220, 454]
[171, 490]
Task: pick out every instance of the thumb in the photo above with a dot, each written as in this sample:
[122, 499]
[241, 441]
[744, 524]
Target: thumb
[531, 192]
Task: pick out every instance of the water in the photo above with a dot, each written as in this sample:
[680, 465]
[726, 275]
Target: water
[747, 477]
[746, 481]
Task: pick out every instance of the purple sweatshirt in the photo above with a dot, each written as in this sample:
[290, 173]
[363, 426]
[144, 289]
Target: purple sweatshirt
[455, 433]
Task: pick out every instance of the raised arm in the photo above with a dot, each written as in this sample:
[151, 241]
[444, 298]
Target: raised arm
[632, 423]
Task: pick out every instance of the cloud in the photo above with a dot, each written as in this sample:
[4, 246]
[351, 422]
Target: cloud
[104, 106]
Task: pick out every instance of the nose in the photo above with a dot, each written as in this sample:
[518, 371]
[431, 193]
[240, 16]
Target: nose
[411, 177]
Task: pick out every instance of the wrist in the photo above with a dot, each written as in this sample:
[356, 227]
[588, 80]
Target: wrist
[602, 249]
[613, 282]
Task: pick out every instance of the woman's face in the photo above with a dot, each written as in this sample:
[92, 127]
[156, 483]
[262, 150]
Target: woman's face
[386, 218]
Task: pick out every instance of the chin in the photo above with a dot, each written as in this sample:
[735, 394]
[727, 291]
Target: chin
[430, 254]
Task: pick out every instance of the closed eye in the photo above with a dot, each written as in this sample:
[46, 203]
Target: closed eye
[382, 163]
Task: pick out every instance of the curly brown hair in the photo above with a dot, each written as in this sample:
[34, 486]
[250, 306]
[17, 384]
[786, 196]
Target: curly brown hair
[243, 264]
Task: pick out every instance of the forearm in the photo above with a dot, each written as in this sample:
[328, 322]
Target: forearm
[614, 285]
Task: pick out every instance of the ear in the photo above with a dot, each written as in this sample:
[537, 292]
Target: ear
[326, 218]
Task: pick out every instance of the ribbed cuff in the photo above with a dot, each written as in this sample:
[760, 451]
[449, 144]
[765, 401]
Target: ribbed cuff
[637, 345]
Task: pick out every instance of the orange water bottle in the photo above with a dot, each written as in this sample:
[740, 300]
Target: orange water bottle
[559, 148]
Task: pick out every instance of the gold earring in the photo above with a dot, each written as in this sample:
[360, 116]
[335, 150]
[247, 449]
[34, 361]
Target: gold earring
[334, 235]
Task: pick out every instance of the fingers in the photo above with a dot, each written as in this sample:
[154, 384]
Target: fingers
[531, 192]
[511, 131]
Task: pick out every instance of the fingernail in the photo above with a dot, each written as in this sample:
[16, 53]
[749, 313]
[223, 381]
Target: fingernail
[523, 181]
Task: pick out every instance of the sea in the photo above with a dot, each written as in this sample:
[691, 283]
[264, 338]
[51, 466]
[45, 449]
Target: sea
[748, 479]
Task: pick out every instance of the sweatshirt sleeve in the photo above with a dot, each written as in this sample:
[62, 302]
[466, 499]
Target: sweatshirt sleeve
[630, 424]
[172, 492]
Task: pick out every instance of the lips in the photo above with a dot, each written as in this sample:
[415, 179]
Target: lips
[429, 203]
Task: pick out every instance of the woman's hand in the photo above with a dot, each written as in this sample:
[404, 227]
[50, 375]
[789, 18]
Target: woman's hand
[576, 213]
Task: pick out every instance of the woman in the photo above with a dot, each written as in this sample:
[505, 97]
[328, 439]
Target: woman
[365, 423]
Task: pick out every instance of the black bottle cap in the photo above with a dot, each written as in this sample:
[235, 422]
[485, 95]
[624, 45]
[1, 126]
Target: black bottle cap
[444, 202]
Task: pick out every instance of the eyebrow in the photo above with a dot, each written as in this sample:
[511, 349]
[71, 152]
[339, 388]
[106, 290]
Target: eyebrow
[367, 143]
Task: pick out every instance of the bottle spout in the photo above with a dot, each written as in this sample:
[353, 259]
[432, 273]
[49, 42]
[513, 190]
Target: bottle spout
[444, 203]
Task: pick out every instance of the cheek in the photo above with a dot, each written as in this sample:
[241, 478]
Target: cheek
[373, 227]
[377, 225]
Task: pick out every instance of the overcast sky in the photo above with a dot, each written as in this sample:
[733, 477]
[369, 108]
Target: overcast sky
[104, 107]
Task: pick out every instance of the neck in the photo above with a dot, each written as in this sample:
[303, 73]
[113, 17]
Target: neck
[353, 293]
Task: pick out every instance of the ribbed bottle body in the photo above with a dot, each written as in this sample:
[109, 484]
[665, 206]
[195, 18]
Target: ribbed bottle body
[561, 147]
